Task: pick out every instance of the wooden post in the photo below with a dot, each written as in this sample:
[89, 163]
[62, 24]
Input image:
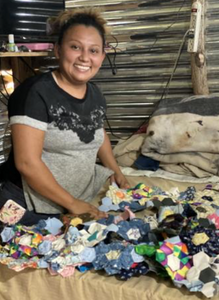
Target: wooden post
[198, 60]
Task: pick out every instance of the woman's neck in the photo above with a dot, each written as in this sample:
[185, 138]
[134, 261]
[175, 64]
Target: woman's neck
[77, 91]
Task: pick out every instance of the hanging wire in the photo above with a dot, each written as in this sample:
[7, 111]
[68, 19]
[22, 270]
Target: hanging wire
[168, 27]
[166, 89]
[113, 63]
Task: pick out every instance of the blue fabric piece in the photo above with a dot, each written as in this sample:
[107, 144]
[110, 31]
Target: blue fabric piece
[107, 221]
[134, 206]
[88, 255]
[138, 224]
[194, 286]
[42, 264]
[41, 225]
[189, 194]
[136, 257]
[106, 201]
[85, 268]
[44, 247]
[108, 205]
[141, 268]
[158, 191]
[53, 225]
[7, 234]
[127, 258]
[112, 228]
[124, 261]
[146, 163]
[72, 235]
[211, 247]
[49, 257]
[55, 267]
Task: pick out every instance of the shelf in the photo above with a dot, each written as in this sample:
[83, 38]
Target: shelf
[25, 54]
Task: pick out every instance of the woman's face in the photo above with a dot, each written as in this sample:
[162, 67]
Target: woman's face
[80, 54]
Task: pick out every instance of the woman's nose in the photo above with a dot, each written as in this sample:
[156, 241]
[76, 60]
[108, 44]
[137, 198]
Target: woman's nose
[84, 55]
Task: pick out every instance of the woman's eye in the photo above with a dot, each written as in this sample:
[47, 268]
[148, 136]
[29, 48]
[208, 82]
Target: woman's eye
[94, 51]
[74, 47]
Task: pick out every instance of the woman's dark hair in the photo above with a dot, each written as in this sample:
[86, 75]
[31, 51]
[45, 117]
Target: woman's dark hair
[82, 19]
[69, 18]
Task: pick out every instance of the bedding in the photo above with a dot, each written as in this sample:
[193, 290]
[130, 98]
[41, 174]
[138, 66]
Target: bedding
[183, 135]
[35, 284]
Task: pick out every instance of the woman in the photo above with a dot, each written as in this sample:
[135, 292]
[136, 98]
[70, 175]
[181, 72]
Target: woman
[57, 128]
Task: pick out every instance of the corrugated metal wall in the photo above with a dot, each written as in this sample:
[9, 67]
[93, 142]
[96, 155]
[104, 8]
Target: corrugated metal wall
[27, 17]
[4, 138]
[149, 34]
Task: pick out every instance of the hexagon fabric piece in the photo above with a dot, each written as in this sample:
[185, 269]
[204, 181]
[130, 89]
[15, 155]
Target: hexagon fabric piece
[173, 255]
[173, 262]
[207, 275]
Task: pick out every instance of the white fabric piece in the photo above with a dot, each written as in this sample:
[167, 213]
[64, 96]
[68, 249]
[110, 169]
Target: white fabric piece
[167, 175]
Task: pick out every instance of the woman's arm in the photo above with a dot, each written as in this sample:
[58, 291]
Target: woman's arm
[28, 145]
[107, 158]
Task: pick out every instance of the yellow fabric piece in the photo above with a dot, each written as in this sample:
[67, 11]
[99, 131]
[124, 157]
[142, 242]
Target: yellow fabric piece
[76, 221]
[183, 271]
[170, 272]
[167, 213]
[200, 238]
[114, 254]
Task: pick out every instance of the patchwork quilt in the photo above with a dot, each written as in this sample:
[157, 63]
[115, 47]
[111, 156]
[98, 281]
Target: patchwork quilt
[176, 237]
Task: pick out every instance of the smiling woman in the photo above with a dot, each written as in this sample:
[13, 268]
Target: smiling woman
[80, 56]
[57, 128]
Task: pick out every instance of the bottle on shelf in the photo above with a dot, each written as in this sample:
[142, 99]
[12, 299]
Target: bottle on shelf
[11, 44]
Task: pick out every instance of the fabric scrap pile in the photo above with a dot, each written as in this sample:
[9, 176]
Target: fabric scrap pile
[177, 238]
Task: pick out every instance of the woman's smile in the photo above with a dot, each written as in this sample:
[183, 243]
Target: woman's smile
[82, 68]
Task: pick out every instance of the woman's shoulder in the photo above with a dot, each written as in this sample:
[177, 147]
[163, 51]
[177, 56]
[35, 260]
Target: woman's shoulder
[34, 81]
[29, 87]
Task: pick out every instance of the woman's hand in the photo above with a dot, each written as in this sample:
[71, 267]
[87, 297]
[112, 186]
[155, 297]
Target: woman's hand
[80, 207]
[120, 180]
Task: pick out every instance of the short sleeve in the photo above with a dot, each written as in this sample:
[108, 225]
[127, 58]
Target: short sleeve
[27, 106]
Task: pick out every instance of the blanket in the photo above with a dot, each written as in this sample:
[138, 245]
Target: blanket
[183, 135]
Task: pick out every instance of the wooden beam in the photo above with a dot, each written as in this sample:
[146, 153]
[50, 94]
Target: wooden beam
[198, 60]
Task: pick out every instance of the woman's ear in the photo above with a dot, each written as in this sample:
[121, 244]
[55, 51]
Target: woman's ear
[57, 51]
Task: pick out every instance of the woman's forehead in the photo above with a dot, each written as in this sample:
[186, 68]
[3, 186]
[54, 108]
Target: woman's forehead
[82, 30]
